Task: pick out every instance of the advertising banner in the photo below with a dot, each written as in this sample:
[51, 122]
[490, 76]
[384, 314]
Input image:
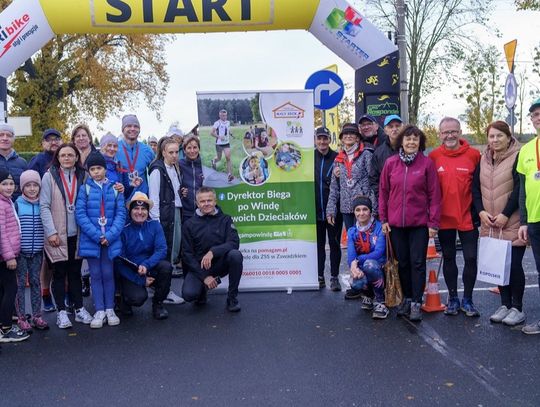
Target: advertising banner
[346, 32]
[257, 152]
[23, 31]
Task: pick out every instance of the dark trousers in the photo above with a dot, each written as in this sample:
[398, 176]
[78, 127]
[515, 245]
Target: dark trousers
[230, 264]
[410, 246]
[534, 238]
[136, 295]
[72, 269]
[512, 294]
[8, 292]
[469, 243]
[348, 219]
[334, 237]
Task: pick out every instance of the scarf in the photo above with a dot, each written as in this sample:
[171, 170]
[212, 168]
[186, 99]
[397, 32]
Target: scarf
[407, 158]
[362, 243]
[343, 157]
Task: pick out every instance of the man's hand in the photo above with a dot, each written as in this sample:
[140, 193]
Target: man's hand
[206, 261]
[119, 187]
[184, 192]
[337, 172]
[142, 270]
[210, 282]
[523, 233]
[54, 240]
[149, 281]
[104, 242]
[331, 220]
[11, 264]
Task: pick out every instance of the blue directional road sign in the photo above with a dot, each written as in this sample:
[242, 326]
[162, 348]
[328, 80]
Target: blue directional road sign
[328, 89]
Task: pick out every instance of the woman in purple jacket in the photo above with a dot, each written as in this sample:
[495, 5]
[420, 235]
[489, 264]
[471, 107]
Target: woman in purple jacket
[409, 208]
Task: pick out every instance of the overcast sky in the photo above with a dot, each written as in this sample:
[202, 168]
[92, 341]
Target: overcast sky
[284, 60]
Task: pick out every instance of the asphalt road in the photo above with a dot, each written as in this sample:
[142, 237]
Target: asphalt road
[307, 348]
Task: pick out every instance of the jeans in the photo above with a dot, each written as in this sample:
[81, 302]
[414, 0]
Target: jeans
[8, 292]
[534, 237]
[102, 280]
[334, 238]
[512, 294]
[29, 266]
[469, 243]
[374, 277]
[72, 269]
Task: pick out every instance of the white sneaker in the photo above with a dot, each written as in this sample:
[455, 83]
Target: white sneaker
[501, 313]
[82, 315]
[514, 317]
[62, 320]
[98, 320]
[112, 318]
[172, 298]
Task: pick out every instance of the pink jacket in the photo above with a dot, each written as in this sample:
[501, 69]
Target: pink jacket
[10, 233]
[410, 196]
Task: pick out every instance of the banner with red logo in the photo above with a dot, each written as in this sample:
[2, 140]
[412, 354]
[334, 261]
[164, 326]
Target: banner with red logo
[23, 31]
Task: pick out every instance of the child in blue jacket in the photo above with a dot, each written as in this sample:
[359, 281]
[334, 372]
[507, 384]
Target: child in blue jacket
[101, 215]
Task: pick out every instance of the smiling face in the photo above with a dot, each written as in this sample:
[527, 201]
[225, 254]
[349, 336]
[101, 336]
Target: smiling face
[110, 149]
[7, 187]
[367, 128]
[349, 139]
[192, 150]
[497, 140]
[131, 132]
[411, 144]
[139, 214]
[322, 143]
[6, 141]
[81, 139]
[449, 134]
[31, 190]
[362, 214]
[206, 202]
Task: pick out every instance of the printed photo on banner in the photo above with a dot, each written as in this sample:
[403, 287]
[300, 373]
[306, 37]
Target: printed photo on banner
[255, 169]
[260, 138]
[288, 156]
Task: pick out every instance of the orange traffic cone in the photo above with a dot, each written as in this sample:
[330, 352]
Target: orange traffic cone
[432, 250]
[433, 298]
[344, 239]
[494, 290]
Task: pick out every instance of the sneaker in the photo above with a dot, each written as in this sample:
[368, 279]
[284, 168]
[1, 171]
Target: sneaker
[177, 271]
[99, 319]
[62, 320]
[48, 304]
[322, 283]
[352, 294]
[367, 303]
[172, 298]
[158, 311]
[39, 323]
[500, 314]
[13, 335]
[24, 325]
[334, 284]
[531, 329]
[468, 308]
[416, 312]
[452, 308]
[82, 315]
[514, 317]
[404, 309]
[232, 304]
[112, 318]
[380, 311]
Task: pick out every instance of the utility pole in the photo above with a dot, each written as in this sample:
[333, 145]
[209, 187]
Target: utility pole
[402, 47]
[3, 99]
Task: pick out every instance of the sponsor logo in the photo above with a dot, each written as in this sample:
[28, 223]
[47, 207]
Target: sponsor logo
[347, 24]
[462, 169]
[288, 111]
[14, 33]
[383, 109]
[294, 129]
[440, 169]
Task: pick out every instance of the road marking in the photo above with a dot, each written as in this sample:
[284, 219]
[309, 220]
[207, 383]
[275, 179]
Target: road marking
[486, 288]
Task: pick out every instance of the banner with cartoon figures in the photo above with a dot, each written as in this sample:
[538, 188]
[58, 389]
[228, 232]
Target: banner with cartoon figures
[257, 151]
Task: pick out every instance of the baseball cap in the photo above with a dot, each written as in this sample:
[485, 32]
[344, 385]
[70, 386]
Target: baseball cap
[391, 117]
[51, 132]
[368, 117]
[536, 104]
[322, 131]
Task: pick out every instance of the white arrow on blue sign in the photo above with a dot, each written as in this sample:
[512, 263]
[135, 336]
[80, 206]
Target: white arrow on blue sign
[328, 89]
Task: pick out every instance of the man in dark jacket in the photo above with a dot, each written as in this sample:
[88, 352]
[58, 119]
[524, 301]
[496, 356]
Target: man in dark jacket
[9, 159]
[210, 245]
[324, 164]
[51, 140]
[370, 131]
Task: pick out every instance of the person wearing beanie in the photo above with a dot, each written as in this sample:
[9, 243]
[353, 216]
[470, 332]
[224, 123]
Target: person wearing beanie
[134, 156]
[177, 135]
[31, 257]
[9, 159]
[101, 216]
[152, 142]
[51, 140]
[142, 262]
[115, 173]
[366, 256]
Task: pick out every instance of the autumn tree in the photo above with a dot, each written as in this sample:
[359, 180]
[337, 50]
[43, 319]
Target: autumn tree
[527, 4]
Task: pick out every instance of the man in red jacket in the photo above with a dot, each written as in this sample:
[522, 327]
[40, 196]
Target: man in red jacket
[455, 161]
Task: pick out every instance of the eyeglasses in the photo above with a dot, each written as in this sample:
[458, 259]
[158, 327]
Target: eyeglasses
[450, 132]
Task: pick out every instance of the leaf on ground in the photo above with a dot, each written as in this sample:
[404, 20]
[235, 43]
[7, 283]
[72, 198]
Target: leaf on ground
[73, 334]
[449, 384]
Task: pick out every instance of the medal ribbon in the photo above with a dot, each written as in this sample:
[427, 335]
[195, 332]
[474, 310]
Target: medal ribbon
[70, 193]
[537, 156]
[131, 164]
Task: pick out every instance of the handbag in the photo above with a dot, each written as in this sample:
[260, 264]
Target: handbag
[392, 289]
[494, 260]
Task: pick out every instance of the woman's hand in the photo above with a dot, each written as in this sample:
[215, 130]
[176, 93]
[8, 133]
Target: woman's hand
[500, 221]
[11, 264]
[432, 233]
[386, 228]
[486, 218]
[337, 171]
[54, 240]
[330, 219]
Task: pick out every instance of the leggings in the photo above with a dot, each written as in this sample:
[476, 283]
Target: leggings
[102, 280]
[334, 236]
[29, 265]
[469, 243]
[512, 294]
[373, 277]
[72, 269]
[8, 292]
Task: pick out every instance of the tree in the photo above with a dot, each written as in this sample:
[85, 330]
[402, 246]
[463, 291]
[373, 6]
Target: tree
[527, 4]
[436, 34]
[77, 77]
[482, 89]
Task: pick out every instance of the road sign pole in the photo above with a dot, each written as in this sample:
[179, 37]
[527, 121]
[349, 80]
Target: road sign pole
[3, 98]
[323, 113]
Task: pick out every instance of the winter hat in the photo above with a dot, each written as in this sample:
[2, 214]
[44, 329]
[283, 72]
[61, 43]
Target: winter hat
[95, 159]
[7, 127]
[152, 139]
[51, 132]
[5, 174]
[140, 199]
[174, 131]
[349, 128]
[130, 119]
[29, 176]
[362, 200]
[108, 138]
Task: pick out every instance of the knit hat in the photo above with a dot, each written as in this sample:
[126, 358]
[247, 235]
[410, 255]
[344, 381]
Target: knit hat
[152, 139]
[174, 131]
[140, 199]
[349, 128]
[7, 127]
[95, 159]
[108, 138]
[29, 176]
[130, 119]
[362, 200]
[51, 132]
[5, 174]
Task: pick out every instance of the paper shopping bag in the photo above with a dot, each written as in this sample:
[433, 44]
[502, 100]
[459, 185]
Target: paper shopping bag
[494, 258]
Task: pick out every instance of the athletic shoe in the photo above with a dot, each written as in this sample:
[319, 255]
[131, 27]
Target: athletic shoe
[214, 166]
[172, 298]
[404, 308]
[158, 311]
[367, 303]
[514, 317]
[380, 311]
[500, 314]
[322, 283]
[177, 271]
[62, 320]
[531, 329]
[14, 334]
[83, 316]
[452, 308]
[99, 319]
[39, 323]
[112, 319]
[48, 304]
[232, 305]
[352, 294]
[416, 312]
[468, 308]
[24, 325]
[334, 284]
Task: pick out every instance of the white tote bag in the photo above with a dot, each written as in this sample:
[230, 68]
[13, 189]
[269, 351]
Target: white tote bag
[494, 258]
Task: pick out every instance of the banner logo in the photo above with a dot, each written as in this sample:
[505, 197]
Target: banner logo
[288, 111]
[12, 34]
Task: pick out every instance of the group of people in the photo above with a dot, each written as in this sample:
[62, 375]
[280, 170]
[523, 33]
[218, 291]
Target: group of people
[132, 215]
[383, 187]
